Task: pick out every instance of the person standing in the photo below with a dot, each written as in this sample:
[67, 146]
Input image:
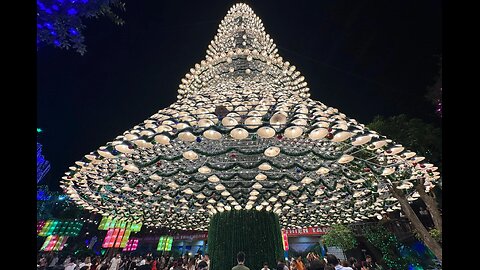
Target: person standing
[202, 265]
[70, 265]
[191, 264]
[300, 265]
[142, 261]
[367, 264]
[265, 266]
[345, 265]
[206, 258]
[333, 261]
[147, 265]
[154, 264]
[115, 262]
[281, 265]
[241, 262]
[87, 262]
[53, 263]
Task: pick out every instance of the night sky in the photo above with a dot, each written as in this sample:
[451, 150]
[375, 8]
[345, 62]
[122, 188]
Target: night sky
[365, 58]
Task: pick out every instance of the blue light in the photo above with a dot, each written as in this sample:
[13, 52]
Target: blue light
[72, 11]
[55, 7]
[419, 247]
[84, 1]
[40, 5]
[43, 166]
[39, 26]
[49, 11]
[48, 25]
[73, 31]
[42, 195]
[56, 42]
[61, 197]
[53, 33]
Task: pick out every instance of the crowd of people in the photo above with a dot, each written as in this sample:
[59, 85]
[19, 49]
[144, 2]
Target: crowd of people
[197, 262]
[329, 262]
[119, 262]
[314, 262]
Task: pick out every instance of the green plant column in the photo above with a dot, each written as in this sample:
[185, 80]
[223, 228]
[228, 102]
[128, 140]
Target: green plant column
[257, 233]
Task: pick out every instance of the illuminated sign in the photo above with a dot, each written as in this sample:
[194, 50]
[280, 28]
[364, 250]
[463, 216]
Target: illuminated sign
[307, 231]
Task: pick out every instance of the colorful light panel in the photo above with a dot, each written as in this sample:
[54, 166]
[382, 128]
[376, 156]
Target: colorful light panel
[40, 225]
[57, 227]
[106, 241]
[168, 245]
[165, 243]
[131, 245]
[125, 239]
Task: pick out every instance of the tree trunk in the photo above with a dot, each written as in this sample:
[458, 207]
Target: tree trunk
[433, 245]
[431, 205]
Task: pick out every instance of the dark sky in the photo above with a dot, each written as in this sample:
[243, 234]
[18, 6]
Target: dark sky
[365, 58]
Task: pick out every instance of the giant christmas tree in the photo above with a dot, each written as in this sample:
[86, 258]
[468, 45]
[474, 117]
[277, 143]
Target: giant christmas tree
[244, 135]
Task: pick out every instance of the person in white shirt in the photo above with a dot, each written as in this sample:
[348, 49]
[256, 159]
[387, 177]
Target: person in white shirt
[70, 266]
[115, 262]
[142, 262]
[346, 265]
[265, 266]
[87, 262]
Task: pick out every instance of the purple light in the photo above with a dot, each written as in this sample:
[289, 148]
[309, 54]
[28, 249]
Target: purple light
[72, 11]
[43, 166]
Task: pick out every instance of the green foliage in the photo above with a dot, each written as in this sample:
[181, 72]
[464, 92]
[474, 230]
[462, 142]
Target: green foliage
[256, 233]
[390, 247]
[60, 23]
[436, 234]
[54, 204]
[340, 236]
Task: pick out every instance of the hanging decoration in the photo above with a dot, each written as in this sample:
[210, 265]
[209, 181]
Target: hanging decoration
[245, 134]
